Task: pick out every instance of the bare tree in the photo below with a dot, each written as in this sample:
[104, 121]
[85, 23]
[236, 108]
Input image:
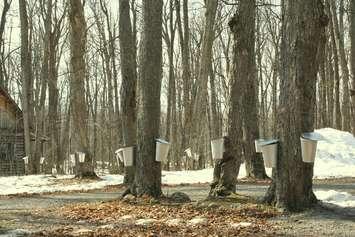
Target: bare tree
[27, 82]
[79, 108]
[148, 171]
[292, 185]
[5, 9]
[352, 60]
[129, 82]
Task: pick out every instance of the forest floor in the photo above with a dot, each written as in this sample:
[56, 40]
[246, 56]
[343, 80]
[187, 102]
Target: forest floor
[101, 213]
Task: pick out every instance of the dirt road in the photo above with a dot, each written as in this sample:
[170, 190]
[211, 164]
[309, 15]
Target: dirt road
[18, 215]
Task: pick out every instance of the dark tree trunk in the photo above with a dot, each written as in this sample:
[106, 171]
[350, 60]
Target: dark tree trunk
[352, 61]
[244, 29]
[337, 110]
[302, 35]
[27, 84]
[200, 109]
[5, 9]
[330, 87]
[129, 83]
[79, 108]
[148, 171]
[226, 170]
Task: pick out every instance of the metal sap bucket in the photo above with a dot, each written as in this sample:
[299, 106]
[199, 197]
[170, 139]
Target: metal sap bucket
[161, 150]
[309, 146]
[217, 146]
[269, 150]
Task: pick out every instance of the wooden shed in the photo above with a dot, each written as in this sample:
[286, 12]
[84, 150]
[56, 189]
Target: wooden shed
[12, 147]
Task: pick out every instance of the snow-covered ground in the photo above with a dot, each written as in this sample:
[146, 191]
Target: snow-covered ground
[335, 158]
[335, 154]
[342, 199]
[47, 183]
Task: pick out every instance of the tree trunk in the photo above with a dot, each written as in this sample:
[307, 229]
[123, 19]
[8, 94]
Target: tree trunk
[148, 171]
[352, 60]
[79, 108]
[26, 86]
[337, 112]
[303, 25]
[226, 170]
[338, 31]
[199, 114]
[330, 87]
[129, 83]
[184, 39]
[5, 9]
[245, 28]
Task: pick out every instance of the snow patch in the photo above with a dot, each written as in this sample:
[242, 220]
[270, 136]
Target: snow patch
[335, 154]
[145, 222]
[241, 224]
[45, 183]
[342, 199]
[198, 221]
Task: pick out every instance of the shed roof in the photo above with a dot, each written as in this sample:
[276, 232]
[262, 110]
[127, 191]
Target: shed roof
[11, 102]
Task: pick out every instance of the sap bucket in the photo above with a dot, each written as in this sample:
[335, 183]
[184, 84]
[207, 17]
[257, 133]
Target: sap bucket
[269, 150]
[161, 150]
[119, 155]
[25, 159]
[309, 146]
[81, 157]
[217, 146]
[258, 144]
[188, 152]
[54, 171]
[41, 160]
[127, 153]
[72, 158]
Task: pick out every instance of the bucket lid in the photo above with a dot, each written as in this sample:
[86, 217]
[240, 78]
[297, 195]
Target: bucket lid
[314, 136]
[269, 142]
[261, 140]
[121, 149]
[161, 141]
[216, 139]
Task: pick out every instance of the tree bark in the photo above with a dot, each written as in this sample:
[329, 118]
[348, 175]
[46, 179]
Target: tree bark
[226, 170]
[337, 123]
[352, 60]
[199, 113]
[244, 26]
[5, 9]
[79, 108]
[303, 25]
[148, 171]
[129, 83]
[338, 31]
[26, 85]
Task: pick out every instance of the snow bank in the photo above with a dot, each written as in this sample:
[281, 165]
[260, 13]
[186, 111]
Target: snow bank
[342, 199]
[335, 154]
[45, 183]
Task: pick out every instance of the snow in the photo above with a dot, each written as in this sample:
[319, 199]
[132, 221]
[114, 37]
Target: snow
[45, 183]
[335, 154]
[241, 224]
[335, 157]
[198, 221]
[145, 222]
[342, 199]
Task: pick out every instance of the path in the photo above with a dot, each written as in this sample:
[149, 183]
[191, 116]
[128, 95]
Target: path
[18, 212]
